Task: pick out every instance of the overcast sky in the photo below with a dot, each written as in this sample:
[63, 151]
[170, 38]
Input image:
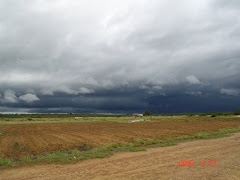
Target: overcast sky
[116, 56]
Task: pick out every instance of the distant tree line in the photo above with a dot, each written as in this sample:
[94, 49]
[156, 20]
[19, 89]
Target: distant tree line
[212, 113]
[237, 112]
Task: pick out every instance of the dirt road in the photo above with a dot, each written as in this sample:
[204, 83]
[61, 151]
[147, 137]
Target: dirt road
[155, 163]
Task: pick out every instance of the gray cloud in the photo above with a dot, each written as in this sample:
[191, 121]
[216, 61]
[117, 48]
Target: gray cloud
[66, 90]
[231, 92]
[194, 93]
[227, 4]
[9, 97]
[29, 98]
[65, 49]
[192, 80]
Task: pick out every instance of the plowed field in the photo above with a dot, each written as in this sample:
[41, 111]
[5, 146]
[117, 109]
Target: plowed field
[26, 139]
[155, 163]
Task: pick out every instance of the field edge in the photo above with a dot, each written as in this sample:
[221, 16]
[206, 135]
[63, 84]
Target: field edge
[75, 155]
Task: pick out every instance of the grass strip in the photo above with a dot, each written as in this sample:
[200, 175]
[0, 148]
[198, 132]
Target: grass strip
[12, 121]
[71, 156]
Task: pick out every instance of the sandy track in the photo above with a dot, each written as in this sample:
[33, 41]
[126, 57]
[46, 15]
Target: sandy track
[155, 163]
[35, 139]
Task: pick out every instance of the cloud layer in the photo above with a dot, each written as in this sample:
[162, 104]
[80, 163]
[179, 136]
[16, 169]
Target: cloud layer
[115, 56]
[29, 98]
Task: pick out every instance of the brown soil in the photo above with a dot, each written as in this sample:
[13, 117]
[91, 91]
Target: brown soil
[155, 163]
[19, 140]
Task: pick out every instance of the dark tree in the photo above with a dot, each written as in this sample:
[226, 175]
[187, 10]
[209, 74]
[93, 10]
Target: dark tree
[237, 112]
[147, 113]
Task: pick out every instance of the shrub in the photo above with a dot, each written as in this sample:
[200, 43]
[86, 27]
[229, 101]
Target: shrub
[237, 112]
[16, 145]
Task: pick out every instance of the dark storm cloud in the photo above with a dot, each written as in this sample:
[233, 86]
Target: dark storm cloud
[115, 56]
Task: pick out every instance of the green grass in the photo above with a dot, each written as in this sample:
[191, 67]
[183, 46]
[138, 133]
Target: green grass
[123, 119]
[75, 155]
[8, 121]
[60, 115]
[69, 115]
[195, 118]
[6, 161]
